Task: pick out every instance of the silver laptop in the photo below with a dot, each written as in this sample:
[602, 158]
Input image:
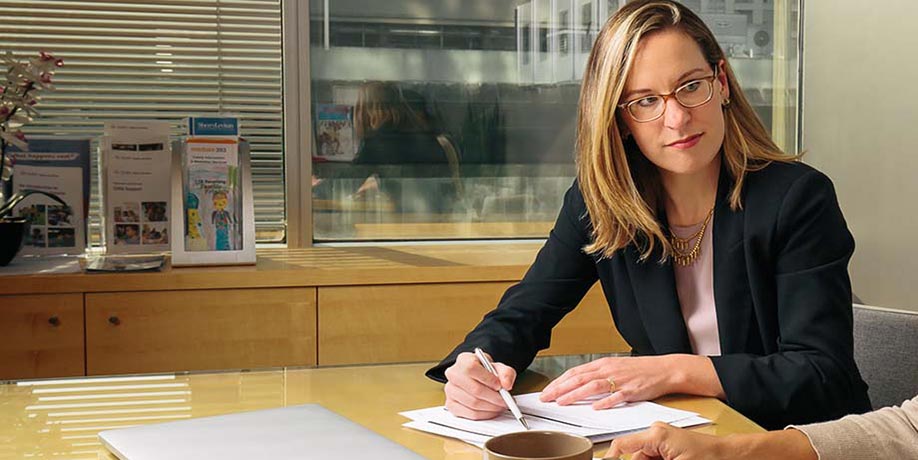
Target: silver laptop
[298, 432]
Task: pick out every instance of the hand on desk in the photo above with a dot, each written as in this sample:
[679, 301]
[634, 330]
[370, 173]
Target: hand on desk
[471, 391]
[627, 378]
[634, 379]
[668, 443]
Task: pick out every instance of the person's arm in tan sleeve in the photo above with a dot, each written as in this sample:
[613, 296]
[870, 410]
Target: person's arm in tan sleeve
[891, 432]
[668, 442]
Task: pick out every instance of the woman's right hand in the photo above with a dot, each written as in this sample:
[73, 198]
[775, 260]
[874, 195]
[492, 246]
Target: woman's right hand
[471, 391]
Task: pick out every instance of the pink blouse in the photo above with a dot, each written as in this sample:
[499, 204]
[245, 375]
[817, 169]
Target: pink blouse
[695, 287]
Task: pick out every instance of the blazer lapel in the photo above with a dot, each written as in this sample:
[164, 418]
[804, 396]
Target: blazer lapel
[654, 287]
[731, 284]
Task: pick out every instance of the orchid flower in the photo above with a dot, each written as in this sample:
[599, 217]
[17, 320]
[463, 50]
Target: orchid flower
[19, 88]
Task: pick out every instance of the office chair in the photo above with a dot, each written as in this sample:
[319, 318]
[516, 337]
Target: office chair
[886, 352]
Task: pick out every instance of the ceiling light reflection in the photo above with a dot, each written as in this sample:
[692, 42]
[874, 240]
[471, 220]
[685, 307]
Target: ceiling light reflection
[138, 378]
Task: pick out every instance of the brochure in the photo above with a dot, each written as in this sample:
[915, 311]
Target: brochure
[136, 181]
[212, 195]
[215, 223]
[61, 167]
[335, 133]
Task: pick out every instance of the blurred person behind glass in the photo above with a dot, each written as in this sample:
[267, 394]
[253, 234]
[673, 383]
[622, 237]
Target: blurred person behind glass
[395, 129]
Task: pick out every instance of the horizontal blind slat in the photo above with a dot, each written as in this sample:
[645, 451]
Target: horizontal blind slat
[162, 60]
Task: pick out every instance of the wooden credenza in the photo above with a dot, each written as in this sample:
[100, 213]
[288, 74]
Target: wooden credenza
[306, 307]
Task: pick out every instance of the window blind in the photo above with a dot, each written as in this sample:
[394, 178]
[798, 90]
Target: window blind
[161, 60]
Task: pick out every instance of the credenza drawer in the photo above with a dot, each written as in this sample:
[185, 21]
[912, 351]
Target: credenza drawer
[200, 329]
[41, 336]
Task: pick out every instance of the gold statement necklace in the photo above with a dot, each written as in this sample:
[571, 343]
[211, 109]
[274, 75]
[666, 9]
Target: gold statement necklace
[684, 252]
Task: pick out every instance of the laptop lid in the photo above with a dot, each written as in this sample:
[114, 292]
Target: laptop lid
[295, 432]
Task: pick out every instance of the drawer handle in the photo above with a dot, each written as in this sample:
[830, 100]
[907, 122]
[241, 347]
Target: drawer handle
[114, 320]
[54, 321]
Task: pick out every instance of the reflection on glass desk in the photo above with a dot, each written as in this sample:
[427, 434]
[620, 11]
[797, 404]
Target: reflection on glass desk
[61, 418]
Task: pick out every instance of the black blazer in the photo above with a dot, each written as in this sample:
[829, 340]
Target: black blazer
[398, 147]
[781, 288]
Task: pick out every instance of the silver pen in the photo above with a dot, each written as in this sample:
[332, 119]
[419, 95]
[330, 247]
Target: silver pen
[511, 404]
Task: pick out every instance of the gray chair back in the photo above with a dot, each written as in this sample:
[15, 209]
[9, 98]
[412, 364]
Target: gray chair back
[886, 352]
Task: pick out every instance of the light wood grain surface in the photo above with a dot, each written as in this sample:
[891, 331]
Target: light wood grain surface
[61, 419]
[321, 266]
[41, 335]
[379, 324]
[199, 330]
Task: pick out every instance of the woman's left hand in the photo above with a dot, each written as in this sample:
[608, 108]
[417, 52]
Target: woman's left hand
[635, 379]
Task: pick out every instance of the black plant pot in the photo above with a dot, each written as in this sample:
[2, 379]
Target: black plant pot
[12, 235]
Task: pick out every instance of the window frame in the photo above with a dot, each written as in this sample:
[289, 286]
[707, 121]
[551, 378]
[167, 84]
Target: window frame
[298, 137]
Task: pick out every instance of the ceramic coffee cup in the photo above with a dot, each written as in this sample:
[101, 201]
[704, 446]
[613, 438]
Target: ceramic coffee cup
[538, 445]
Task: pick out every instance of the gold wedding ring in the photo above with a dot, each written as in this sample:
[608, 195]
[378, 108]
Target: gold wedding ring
[612, 385]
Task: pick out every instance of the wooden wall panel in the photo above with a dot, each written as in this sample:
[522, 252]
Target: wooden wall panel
[41, 336]
[587, 329]
[197, 330]
[404, 323]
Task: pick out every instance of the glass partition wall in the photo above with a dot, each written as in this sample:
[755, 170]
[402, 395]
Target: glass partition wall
[455, 119]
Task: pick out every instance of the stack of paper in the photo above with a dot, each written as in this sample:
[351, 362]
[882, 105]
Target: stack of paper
[581, 419]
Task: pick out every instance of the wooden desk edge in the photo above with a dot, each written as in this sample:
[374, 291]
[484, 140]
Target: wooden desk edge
[308, 267]
[227, 278]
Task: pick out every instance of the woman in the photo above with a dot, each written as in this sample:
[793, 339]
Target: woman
[395, 130]
[723, 260]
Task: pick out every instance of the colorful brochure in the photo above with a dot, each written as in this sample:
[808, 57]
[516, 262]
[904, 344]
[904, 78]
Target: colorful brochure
[61, 167]
[335, 133]
[136, 182]
[212, 195]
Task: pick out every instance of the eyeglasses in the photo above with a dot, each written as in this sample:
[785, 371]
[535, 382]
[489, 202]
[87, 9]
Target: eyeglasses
[692, 94]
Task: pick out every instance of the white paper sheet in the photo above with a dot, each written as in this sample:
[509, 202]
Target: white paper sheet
[580, 419]
[479, 440]
[620, 418]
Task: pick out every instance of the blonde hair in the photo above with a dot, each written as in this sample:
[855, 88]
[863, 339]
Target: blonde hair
[620, 187]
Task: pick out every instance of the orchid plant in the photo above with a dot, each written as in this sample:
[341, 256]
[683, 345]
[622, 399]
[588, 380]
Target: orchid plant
[19, 91]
